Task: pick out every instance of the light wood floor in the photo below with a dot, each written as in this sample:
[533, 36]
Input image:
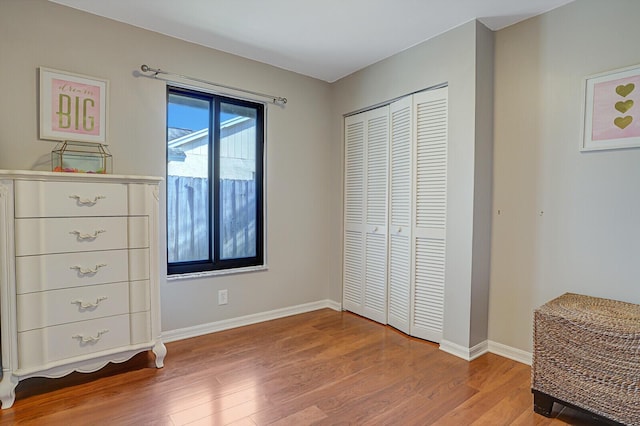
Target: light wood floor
[321, 368]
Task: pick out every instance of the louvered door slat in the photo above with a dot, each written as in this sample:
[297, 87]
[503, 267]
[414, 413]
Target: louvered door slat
[375, 292]
[353, 268]
[400, 282]
[354, 170]
[431, 157]
[377, 148]
[401, 163]
[429, 289]
[400, 139]
[430, 109]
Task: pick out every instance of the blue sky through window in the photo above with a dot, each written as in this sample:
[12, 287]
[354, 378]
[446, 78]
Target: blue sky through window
[187, 117]
[190, 117]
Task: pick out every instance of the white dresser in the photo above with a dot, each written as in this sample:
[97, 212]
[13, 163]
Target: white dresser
[78, 273]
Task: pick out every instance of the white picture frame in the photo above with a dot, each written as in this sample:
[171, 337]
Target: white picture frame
[611, 118]
[73, 107]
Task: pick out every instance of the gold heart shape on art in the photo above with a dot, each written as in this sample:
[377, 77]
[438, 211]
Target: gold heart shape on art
[624, 106]
[623, 122]
[624, 90]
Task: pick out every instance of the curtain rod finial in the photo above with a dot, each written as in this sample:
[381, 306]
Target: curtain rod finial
[144, 68]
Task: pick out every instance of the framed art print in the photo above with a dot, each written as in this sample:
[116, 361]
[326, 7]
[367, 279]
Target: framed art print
[73, 107]
[612, 110]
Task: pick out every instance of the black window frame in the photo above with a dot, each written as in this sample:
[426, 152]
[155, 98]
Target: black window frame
[214, 263]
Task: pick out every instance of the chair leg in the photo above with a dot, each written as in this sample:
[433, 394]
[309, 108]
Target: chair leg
[542, 403]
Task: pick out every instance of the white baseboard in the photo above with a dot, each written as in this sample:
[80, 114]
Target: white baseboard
[510, 352]
[460, 351]
[482, 348]
[199, 330]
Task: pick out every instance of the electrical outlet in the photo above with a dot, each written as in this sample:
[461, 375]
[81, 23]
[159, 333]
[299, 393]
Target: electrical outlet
[223, 297]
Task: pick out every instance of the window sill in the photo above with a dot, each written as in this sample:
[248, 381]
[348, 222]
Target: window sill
[205, 274]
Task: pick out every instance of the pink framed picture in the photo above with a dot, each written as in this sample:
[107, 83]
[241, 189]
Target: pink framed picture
[73, 107]
[612, 110]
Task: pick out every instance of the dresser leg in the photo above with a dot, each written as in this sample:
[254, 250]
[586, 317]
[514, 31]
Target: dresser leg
[160, 351]
[8, 390]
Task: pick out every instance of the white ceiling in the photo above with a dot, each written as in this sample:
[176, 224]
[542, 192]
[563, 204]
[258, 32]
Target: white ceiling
[326, 39]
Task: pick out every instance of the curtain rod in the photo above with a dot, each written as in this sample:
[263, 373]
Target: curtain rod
[278, 100]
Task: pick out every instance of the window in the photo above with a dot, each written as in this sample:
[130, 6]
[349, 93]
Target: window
[215, 148]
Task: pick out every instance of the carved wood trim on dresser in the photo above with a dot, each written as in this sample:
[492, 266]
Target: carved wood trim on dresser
[78, 273]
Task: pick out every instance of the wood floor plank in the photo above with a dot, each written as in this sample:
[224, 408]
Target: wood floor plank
[321, 368]
[475, 407]
[307, 416]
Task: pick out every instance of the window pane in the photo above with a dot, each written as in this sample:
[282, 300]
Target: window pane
[188, 224]
[237, 181]
[214, 182]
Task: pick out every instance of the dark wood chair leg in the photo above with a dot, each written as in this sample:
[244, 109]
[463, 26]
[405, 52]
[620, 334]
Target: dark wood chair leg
[542, 403]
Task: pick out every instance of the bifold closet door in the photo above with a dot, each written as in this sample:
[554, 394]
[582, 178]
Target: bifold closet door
[400, 206]
[429, 219]
[365, 238]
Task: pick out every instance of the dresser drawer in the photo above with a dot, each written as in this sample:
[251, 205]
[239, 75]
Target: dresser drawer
[56, 271]
[55, 307]
[41, 346]
[59, 199]
[63, 235]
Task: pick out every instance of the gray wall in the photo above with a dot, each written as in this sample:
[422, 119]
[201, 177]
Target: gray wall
[37, 33]
[588, 238]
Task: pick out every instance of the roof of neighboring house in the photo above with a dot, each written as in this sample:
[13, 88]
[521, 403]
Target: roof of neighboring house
[177, 137]
[186, 138]
[175, 132]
